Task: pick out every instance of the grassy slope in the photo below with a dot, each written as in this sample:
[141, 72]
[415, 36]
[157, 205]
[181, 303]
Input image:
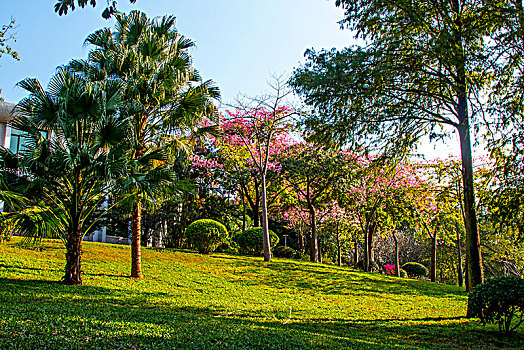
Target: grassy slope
[220, 301]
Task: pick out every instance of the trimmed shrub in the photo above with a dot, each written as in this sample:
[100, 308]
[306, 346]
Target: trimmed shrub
[206, 235]
[285, 252]
[499, 300]
[250, 241]
[414, 269]
[228, 247]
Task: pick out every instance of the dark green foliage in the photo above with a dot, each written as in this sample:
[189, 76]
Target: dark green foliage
[403, 273]
[499, 300]
[286, 252]
[229, 247]
[250, 241]
[62, 6]
[415, 269]
[373, 266]
[206, 235]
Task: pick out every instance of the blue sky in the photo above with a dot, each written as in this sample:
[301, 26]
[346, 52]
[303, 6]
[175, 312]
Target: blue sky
[240, 43]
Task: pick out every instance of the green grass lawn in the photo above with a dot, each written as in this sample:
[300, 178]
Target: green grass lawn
[217, 301]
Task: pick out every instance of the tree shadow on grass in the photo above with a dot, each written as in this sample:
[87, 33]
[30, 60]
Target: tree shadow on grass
[318, 278]
[34, 317]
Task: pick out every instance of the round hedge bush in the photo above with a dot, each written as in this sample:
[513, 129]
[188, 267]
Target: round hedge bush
[285, 252]
[499, 300]
[414, 269]
[206, 235]
[250, 241]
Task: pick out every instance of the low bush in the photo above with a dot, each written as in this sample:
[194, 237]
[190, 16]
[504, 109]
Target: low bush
[206, 235]
[499, 300]
[228, 247]
[250, 241]
[414, 269]
[391, 270]
[286, 252]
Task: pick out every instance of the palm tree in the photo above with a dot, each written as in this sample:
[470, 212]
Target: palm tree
[164, 95]
[74, 148]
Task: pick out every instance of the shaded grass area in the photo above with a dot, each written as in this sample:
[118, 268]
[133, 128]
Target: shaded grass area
[194, 301]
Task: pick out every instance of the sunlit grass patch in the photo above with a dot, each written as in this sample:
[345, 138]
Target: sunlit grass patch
[188, 300]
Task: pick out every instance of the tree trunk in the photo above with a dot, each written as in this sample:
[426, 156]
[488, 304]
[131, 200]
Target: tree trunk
[397, 258]
[243, 210]
[473, 256]
[136, 263]
[339, 252]
[368, 247]
[459, 265]
[313, 251]
[466, 276]
[73, 269]
[256, 206]
[433, 263]
[265, 229]
[355, 258]
[319, 251]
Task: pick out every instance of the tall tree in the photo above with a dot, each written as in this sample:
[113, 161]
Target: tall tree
[74, 148]
[419, 74]
[164, 95]
[256, 130]
[312, 172]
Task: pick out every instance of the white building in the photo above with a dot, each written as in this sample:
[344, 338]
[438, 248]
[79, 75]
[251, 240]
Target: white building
[6, 115]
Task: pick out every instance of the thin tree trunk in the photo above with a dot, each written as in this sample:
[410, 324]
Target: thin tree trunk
[256, 206]
[473, 256]
[265, 228]
[319, 251]
[433, 263]
[459, 265]
[243, 210]
[355, 258]
[313, 251]
[397, 257]
[368, 249]
[136, 263]
[339, 252]
[73, 269]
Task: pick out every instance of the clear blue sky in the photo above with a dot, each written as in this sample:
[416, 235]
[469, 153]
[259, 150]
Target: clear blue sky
[239, 42]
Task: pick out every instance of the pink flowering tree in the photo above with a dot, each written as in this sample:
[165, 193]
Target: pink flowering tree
[313, 173]
[255, 130]
[380, 199]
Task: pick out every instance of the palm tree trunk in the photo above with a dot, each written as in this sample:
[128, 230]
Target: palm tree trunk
[73, 269]
[136, 263]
